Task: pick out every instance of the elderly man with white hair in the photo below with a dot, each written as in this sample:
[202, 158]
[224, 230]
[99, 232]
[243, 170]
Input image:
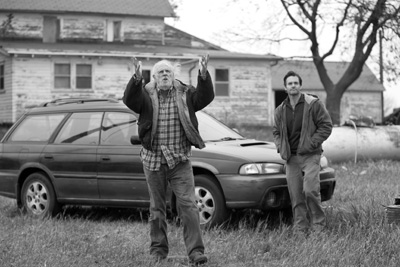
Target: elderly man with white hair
[168, 127]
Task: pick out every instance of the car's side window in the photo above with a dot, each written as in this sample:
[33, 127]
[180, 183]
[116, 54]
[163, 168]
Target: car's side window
[82, 128]
[37, 128]
[117, 128]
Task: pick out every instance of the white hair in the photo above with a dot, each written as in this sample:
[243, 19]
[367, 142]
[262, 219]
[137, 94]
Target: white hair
[174, 67]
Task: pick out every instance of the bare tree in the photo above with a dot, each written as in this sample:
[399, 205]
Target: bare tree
[365, 17]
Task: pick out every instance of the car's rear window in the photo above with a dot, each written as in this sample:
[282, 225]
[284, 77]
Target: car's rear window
[36, 128]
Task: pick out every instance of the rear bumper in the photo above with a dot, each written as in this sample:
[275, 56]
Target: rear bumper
[267, 192]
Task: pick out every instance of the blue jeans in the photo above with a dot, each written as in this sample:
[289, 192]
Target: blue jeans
[302, 175]
[181, 181]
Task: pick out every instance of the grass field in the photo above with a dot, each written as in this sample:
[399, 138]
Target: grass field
[357, 232]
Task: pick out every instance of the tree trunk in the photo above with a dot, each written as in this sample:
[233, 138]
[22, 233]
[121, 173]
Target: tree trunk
[333, 99]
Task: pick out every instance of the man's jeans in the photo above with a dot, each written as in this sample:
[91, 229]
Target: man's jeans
[182, 184]
[302, 175]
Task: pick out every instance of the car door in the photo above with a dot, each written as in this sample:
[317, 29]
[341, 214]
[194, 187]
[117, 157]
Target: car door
[22, 148]
[120, 170]
[72, 157]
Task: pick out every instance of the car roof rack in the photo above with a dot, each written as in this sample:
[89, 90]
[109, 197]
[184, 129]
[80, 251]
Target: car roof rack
[63, 101]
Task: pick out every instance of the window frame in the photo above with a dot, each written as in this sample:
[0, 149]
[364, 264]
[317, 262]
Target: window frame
[222, 82]
[62, 76]
[145, 72]
[51, 131]
[73, 76]
[69, 127]
[117, 128]
[80, 75]
[114, 30]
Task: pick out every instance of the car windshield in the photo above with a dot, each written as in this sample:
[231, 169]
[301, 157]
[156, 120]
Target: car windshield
[214, 130]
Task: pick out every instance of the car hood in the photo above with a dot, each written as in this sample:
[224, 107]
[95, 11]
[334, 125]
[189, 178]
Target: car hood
[241, 150]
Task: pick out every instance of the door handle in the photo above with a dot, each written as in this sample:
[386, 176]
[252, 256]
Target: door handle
[105, 158]
[48, 156]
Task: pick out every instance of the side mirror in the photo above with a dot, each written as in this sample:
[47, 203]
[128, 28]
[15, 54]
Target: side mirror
[135, 140]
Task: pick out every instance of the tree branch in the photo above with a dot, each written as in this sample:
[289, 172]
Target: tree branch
[301, 27]
[338, 26]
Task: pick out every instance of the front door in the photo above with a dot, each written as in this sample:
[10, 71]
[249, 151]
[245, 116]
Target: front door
[120, 170]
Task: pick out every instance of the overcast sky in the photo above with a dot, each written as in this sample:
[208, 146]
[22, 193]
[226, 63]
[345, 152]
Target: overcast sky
[208, 19]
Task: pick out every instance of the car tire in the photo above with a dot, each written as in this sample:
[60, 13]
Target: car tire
[38, 197]
[210, 201]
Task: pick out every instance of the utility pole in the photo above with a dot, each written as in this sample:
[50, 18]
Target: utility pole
[381, 72]
[380, 57]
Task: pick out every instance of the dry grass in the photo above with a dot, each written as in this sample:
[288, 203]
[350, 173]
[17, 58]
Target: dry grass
[357, 232]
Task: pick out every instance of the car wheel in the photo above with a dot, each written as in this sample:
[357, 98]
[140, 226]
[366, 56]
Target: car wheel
[210, 201]
[38, 197]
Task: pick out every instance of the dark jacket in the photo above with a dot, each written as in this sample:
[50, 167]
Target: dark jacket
[316, 128]
[144, 101]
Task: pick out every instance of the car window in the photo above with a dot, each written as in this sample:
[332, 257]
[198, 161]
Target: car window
[212, 130]
[81, 128]
[117, 128]
[37, 128]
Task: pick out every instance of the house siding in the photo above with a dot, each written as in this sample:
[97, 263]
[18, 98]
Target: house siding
[24, 25]
[249, 96]
[78, 28]
[140, 30]
[87, 28]
[247, 104]
[367, 104]
[31, 83]
[356, 103]
[6, 99]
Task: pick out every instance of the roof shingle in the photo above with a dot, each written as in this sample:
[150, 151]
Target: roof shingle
[156, 8]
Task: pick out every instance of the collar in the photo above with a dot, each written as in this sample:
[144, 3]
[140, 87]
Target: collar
[301, 99]
[169, 90]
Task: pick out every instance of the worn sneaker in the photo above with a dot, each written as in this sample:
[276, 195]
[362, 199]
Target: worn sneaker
[198, 258]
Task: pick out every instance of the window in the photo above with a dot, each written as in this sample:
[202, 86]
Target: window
[83, 76]
[81, 129]
[37, 128]
[146, 76]
[222, 82]
[62, 76]
[117, 30]
[114, 29]
[117, 128]
[1, 76]
[51, 29]
[64, 72]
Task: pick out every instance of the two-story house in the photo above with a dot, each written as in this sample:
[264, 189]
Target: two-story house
[53, 49]
[84, 48]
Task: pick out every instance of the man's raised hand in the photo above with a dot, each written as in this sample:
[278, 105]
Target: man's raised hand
[138, 68]
[203, 61]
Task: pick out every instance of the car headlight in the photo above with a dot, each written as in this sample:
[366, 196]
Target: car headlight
[261, 168]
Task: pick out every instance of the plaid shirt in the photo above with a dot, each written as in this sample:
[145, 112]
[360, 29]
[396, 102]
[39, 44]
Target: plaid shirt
[171, 145]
